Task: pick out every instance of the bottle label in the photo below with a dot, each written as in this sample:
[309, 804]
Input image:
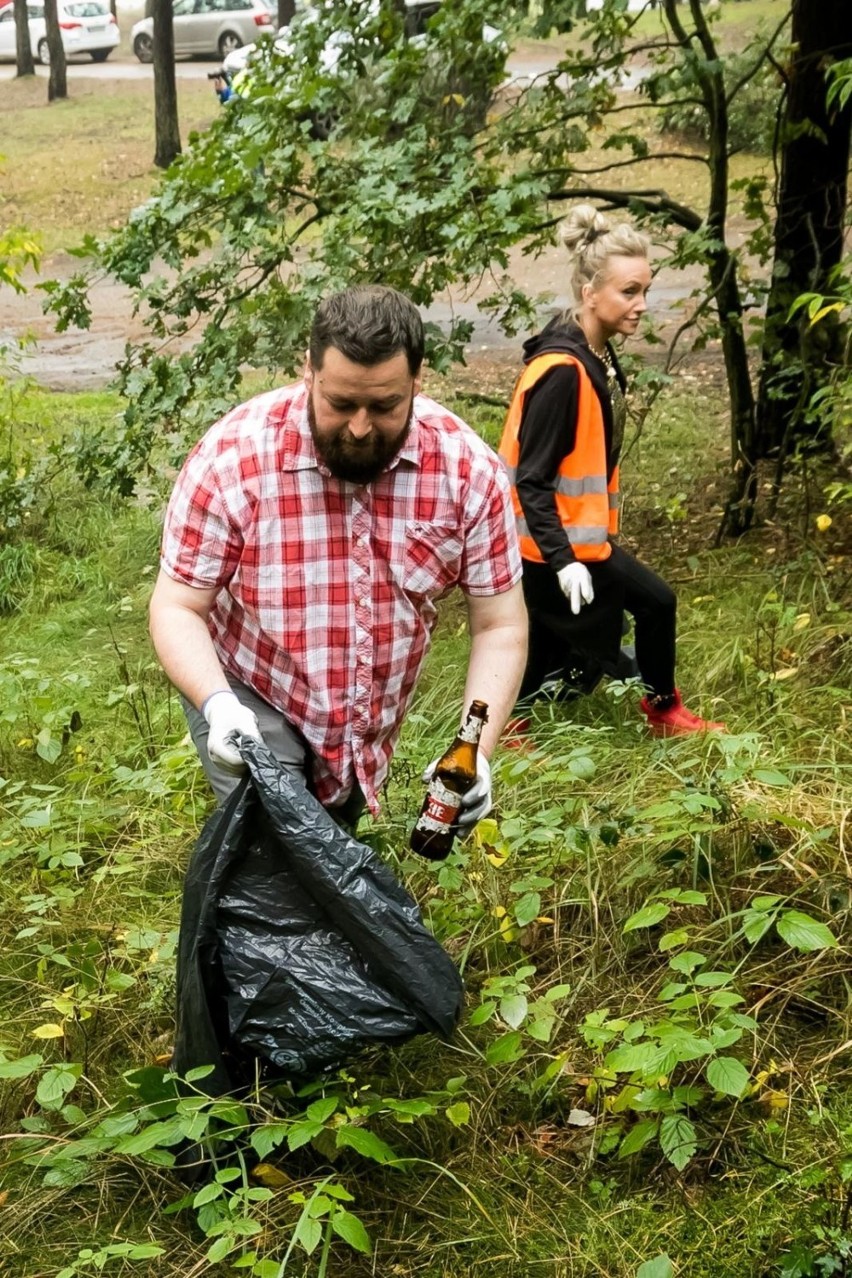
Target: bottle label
[440, 810]
[471, 730]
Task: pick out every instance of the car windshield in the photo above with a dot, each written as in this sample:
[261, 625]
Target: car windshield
[86, 9]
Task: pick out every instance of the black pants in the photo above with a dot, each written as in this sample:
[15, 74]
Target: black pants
[557, 638]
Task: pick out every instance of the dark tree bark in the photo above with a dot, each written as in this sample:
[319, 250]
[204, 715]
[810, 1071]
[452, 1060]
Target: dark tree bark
[811, 202]
[166, 128]
[722, 267]
[286, 12]
[23, 48]
[57, 86]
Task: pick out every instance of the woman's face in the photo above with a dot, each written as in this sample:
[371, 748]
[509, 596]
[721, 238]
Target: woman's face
[619, 301]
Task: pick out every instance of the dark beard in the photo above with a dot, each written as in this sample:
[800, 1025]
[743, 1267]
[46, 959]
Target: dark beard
[357, 462]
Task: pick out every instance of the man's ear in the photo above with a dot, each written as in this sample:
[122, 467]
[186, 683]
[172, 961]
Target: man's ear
[418, 380]
[307, 371]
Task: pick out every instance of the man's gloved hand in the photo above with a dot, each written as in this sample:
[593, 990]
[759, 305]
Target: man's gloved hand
[575, 581]
[226, 714]
[476, 800]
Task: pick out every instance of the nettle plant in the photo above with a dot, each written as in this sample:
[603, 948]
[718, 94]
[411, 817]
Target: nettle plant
[166, 1122]
[664, 1074]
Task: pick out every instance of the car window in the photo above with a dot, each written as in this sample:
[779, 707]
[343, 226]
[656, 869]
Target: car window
[86, 9]
[7, 16]
[181, 8]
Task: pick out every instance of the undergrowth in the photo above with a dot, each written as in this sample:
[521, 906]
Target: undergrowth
[653, 1073]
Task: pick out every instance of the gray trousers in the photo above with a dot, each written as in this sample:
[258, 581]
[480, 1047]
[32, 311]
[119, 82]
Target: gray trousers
[285, 743]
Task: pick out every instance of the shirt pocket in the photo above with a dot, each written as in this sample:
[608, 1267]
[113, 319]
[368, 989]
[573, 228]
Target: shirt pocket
[433, 557]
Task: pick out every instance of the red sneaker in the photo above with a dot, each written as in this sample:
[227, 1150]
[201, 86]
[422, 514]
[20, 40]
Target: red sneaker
[676, 720]
[516, 735]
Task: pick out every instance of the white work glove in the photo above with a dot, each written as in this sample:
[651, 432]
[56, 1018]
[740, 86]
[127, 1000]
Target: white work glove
[575, 581]
[476, 800]
[228, 717]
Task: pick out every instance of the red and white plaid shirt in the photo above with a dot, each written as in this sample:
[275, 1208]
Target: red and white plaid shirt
[328, 587]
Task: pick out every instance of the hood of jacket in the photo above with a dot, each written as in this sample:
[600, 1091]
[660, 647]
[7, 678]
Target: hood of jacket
[566, 337]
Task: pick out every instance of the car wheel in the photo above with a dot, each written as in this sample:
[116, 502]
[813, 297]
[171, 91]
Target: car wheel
[100, 55]
[143, 47]
[228, 41]
[43, 53]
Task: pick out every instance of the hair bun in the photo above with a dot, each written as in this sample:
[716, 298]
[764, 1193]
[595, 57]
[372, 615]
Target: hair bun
[583, 225]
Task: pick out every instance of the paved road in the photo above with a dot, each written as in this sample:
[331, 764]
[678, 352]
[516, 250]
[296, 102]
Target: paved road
[521, 68]
[118, 68]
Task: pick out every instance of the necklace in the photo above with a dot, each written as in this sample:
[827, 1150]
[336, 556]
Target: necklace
[605, 358]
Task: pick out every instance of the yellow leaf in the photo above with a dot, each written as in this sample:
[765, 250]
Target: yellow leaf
[786, 672]
[486, 832]
[544, 918]
[823, 523]
[270, 1176]
[499, 911]
[507, 932]
[25, 743]
[803, 619]
[50, 1030]
[497, 860]
[774, 1100]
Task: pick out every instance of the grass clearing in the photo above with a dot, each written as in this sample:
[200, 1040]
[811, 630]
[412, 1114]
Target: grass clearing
[81, 165]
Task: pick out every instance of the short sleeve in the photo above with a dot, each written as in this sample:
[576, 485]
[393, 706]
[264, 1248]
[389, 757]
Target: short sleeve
[491, 561]
[201, 539]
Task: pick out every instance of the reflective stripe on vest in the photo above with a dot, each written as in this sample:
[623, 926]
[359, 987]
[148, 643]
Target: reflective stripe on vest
[587, 505]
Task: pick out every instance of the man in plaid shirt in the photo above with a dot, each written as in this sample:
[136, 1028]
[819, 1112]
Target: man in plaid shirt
[307, 540]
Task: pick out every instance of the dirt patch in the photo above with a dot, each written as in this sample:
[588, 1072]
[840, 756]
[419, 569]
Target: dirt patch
[86, 359]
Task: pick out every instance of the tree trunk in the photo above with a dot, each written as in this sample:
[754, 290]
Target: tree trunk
[23, 47]
[722, 264]
[57, 86]
[166, 128]
[811, 202]
[286, 12]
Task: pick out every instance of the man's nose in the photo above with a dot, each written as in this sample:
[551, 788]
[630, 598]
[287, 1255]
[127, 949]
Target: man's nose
[360, 424]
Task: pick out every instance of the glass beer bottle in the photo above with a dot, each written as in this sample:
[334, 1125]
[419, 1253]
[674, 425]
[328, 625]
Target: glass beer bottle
[455, 772]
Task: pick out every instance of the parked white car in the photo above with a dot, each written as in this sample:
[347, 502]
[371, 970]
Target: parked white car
[87, 26]
[213, 28]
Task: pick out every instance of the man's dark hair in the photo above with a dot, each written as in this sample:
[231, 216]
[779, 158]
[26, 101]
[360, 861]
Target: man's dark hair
[368, 323]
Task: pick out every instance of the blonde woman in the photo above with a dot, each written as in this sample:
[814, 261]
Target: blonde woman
[561, 445]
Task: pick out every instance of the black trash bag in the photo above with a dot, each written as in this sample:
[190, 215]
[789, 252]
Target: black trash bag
[298, 946]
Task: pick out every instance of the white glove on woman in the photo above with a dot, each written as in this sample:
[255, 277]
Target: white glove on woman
[228, 718]
[476, 800]
[575, 581]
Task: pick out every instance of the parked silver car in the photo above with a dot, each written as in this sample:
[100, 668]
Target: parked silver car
[210, 27]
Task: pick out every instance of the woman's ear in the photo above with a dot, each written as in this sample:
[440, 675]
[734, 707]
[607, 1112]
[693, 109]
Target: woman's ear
[588, 295]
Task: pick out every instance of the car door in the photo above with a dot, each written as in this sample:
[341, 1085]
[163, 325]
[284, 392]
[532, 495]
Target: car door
[183, 12]
[8, 48]
[206, 26]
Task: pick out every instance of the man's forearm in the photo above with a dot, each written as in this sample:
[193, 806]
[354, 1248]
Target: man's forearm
[178, 624]
[187, 655]
[494, 673]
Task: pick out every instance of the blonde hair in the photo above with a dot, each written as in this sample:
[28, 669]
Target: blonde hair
[591, 240]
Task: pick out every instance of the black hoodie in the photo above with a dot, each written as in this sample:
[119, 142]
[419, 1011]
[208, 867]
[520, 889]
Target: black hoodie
[548, 432]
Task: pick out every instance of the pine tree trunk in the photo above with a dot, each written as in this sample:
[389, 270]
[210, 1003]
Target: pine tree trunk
[57, 87]
[166, 128]
[23, 47]
[811, 201]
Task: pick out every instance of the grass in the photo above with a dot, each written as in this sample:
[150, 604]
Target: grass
[82, 164]
[516, 1189]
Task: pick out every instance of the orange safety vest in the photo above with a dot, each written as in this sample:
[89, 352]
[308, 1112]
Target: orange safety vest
[587, 504]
